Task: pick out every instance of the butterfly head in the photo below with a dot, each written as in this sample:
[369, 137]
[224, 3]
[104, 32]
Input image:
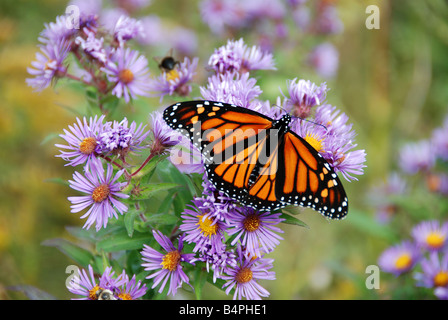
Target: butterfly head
[282, 124]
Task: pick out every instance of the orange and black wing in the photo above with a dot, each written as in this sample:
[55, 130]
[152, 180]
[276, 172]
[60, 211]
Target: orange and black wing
[231, 140]
[306, 179]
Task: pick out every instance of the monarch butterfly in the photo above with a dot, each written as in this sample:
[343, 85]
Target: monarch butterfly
[258, 161]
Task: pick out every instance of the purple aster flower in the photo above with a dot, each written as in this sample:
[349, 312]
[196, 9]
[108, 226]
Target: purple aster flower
[93, 47]
[244, 277]
[338, 144]
[131, 289]
[102, 191]
[48, 65]
[253, 58]
[417, 156]
[302, 96]
[255, 230]
[120, 139]
[168, 265]
[82, 141]
[225, 59]
[343, 159]
[129, 72]
[109, 17]
[207, 232]
[220, 14]
[325, 60]
[336, 123]
[236, 56]
[439, 140]
[214, 203]
[400, 258]
[87, 286]
[163, 136]
[56, 32]
[328, 20]
[182, 153]
[87, 7]
[217, 261]
[435, 272]
[175, 81]
[127, 28]
[233, 88]
[431, 235]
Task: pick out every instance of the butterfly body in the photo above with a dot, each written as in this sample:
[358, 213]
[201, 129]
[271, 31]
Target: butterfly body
[258, 161]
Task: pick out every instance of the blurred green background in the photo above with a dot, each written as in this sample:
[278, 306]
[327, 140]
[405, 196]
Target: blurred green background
[392, 83]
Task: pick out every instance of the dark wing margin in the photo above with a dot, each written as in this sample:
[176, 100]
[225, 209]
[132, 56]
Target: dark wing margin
[306, 179]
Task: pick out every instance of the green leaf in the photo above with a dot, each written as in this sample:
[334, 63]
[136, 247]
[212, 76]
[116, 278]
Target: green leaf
[57, 181]
[168, 172]
[200, 278]
[150, 189]
[129, 219]
[49, 137]
[78, 254]
[161, 218]
[121, 241]
[147, 172]
[293, 220]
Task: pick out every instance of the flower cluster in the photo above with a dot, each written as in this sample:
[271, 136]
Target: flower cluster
[99, 44]
[89, 143]
[426, 255]
[107, 287]
[277, 22]
[423, 162]
[426, 156]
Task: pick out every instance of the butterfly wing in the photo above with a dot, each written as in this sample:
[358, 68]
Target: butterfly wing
[231, 140]
[252, 162]
[306, 179]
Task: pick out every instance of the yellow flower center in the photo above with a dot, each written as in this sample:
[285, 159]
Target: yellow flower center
[251, 223]
[435, 240]
[441, 279]
[206, 226]
[126, 76]
[100, 193]
[88, 145]
[171, 260]
[403, 262]
[172, 75]
[93, 293]
[125, 296]
[244, 275]
[314, 141]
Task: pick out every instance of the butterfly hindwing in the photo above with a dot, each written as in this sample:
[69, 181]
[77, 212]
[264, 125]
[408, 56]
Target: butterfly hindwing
[306, 179]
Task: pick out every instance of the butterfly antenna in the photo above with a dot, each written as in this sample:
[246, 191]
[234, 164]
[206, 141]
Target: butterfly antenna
[310, 121]
[295, 117]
